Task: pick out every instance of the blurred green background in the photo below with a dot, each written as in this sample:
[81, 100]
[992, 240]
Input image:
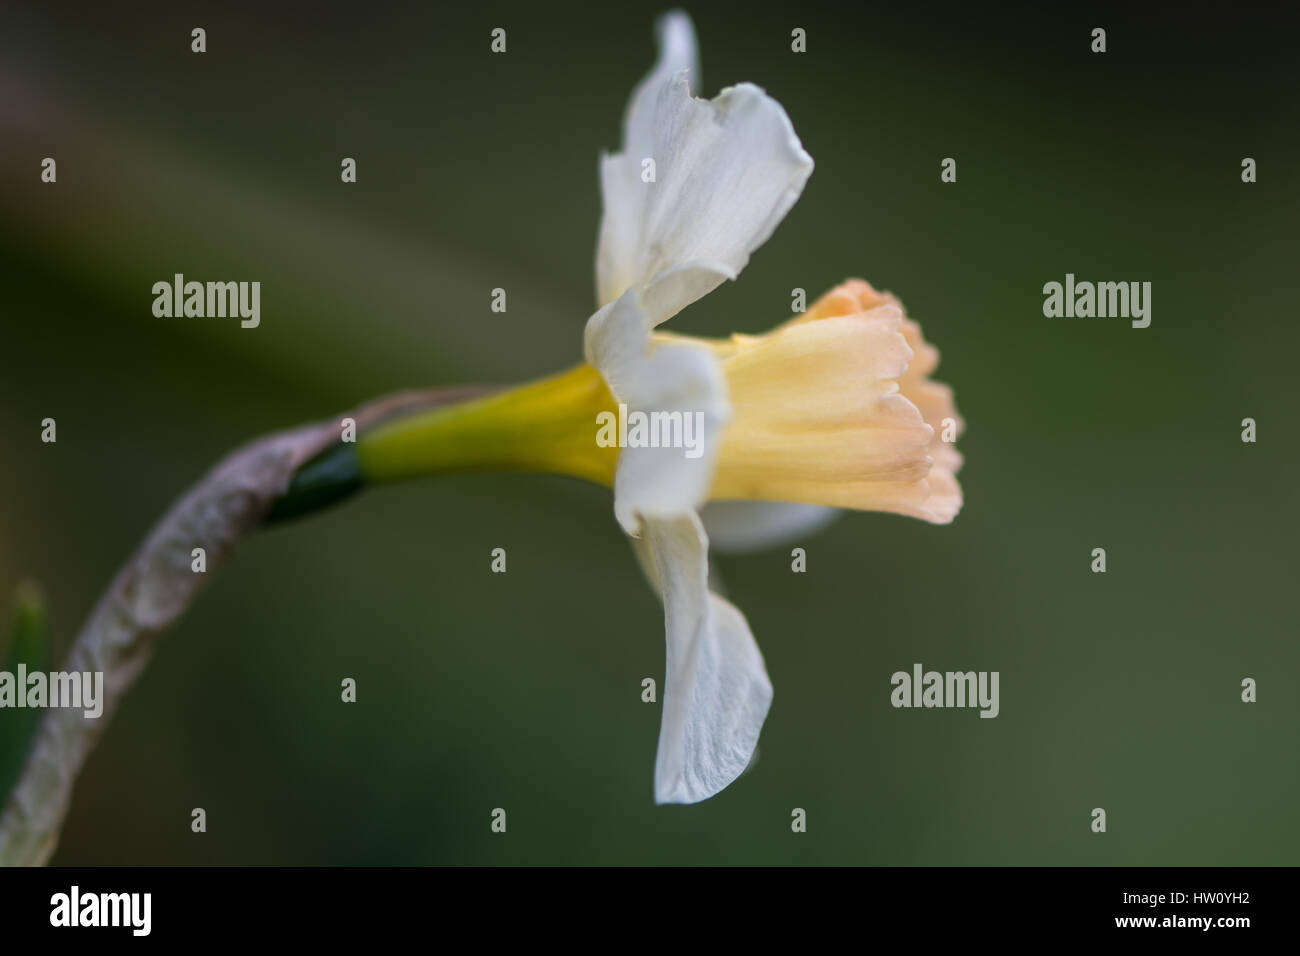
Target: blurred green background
[522, 690]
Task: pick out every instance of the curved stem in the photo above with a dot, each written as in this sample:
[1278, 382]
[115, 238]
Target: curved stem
[151, 592]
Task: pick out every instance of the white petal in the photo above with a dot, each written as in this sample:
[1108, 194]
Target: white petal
[675, 384]
[726, 172]
[617, 339]
[740, 526]
[679, 386]
[716, 690]
[678, 52]
[620, 234]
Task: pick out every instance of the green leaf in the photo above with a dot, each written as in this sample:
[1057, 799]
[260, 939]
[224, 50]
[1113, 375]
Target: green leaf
[29, 646]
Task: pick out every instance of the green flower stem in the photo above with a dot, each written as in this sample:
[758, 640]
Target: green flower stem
[544, 426]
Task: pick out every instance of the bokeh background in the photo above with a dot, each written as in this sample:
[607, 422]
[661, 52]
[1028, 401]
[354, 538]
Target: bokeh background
[522, 690]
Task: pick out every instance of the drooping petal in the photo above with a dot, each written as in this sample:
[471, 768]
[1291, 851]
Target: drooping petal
[741, 526]
[726, 171]
[617, 339]
[716, 689]
[681, 395]
[678, 391]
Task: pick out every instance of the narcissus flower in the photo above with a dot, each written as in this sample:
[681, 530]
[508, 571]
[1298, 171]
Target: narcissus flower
[832, 409]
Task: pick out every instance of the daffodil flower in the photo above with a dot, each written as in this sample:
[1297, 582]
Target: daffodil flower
[833, 409]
